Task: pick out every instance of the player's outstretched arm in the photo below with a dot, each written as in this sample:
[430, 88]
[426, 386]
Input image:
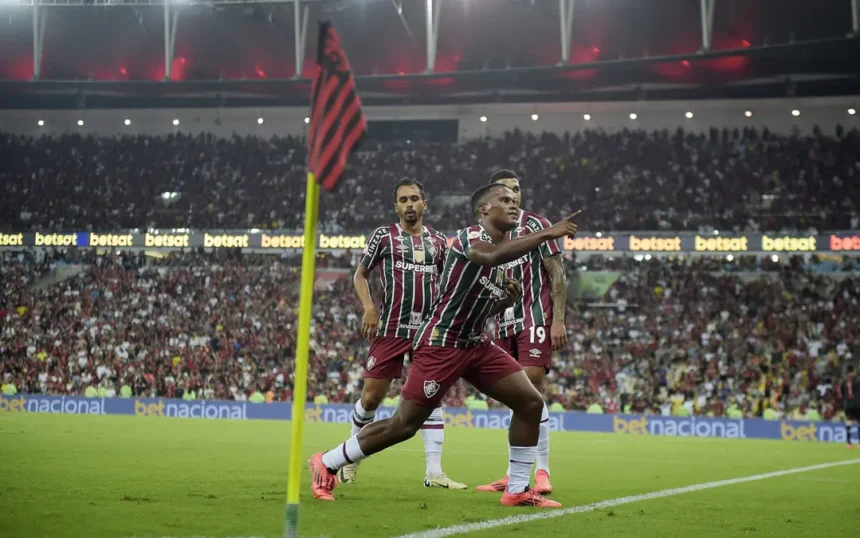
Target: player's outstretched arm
[486, 253]
[370, 321]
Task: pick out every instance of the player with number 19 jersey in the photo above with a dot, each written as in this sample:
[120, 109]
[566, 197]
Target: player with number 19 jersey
[524, 329]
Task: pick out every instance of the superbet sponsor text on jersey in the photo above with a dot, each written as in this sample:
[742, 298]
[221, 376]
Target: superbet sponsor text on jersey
[534, 309]
[409, 268]
[467, 293]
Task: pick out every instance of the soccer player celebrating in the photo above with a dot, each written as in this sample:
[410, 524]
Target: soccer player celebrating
[410, 257]
[451, 345]
[533, 327]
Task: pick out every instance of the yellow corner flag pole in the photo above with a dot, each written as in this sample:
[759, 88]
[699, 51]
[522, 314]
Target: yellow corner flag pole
[300, 375]
[337, 126]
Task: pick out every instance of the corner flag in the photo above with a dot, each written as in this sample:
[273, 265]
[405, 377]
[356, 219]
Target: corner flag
[337, 125]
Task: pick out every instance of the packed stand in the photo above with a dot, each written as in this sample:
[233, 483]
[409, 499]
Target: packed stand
[631, 180]
[671, 336]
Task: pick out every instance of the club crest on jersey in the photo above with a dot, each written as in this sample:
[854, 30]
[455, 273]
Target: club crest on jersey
[431, 249]
[509, 314]
[418, 256]
[430, 388]
[370, 362]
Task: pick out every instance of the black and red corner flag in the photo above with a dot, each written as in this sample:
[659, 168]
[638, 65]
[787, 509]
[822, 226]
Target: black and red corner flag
[337, 124]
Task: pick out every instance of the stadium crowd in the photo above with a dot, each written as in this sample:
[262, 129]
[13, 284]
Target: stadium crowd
[745, 180]
[677, 336]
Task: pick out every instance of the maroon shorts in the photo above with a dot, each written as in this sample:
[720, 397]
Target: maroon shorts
[435, 369]
[532, 347]
[386, 356]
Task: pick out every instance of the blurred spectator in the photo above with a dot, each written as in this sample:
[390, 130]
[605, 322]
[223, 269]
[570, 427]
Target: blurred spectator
[632, 180]
[672, 336]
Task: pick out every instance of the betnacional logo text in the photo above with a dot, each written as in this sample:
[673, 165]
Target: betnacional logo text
[11, 240]
[56, 240]
[788, 244]
[282, 241]
[589, 243]
[678, 427]
[342, 241]
[454, 418]
[655, 244]
[111, 240]
[225, 241]
[191, 409]
[167, 240]
[812, 431]
[845, 243]
[53, 404]
[720, 244]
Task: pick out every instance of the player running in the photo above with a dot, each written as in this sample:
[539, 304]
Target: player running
[410, 257]
[850, 390]
[451, 345]
[534, 326]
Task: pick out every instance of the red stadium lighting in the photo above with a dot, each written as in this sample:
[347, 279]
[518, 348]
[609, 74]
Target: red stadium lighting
[685, 63]
[260, 72]
[595, 50]
[745, 43]
[123, 71]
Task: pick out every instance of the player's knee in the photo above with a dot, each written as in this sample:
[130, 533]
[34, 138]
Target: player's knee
[371, 401]
[531, 407]
[372, 396]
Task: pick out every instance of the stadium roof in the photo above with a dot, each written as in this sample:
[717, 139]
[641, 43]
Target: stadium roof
[114, 53]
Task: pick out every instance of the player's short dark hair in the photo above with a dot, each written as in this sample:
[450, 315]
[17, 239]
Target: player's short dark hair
[408, 182]
[503, 174]
[481, 196]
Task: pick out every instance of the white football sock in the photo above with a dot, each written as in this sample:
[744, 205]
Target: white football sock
[343, 454]
[521, 459]
[360, 417]
[433, 433]
[508, 472]
[542, 458]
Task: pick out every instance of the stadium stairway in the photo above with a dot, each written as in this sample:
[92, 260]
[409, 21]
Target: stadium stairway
[62, 272]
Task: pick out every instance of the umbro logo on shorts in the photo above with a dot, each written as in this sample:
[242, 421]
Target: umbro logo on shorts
[534, 353]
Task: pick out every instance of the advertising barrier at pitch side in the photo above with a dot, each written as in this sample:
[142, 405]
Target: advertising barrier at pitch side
[454, 417]
[645, 242]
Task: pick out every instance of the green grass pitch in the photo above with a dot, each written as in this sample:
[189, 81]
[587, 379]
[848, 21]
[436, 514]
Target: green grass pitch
[109, 476]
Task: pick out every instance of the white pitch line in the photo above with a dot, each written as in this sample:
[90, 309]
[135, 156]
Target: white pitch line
[453, 530]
